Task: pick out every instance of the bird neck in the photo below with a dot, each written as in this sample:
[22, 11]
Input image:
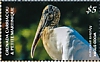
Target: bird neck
[52, 26]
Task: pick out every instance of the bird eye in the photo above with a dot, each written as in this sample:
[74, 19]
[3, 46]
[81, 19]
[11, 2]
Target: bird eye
[46, 11]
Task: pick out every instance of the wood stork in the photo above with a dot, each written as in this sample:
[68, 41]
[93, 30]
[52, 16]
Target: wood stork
[61, 43]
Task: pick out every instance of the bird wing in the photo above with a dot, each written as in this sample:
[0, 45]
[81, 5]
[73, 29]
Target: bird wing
[73, 45]
[80, 49]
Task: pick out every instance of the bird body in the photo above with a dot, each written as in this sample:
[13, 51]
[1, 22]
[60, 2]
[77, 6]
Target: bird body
[61, 43]
[57, 40]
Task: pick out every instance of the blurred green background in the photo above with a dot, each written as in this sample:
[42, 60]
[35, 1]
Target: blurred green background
[27, 17]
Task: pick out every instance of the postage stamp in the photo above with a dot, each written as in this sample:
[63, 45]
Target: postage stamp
[45, 30]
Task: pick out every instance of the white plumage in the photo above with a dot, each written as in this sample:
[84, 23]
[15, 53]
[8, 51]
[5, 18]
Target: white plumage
[65, 43]
[61, 43]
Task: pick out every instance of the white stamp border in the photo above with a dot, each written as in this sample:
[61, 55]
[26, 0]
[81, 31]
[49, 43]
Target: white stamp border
[41, 1]
[54, 0]
[0, 32]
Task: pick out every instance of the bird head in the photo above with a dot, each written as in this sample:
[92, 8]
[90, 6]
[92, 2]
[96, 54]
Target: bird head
[50, 18]
[50, 15]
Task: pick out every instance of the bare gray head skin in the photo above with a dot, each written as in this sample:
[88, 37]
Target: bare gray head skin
[50, 18]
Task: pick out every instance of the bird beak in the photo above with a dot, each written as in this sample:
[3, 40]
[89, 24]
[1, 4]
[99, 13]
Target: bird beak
[38, 34]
